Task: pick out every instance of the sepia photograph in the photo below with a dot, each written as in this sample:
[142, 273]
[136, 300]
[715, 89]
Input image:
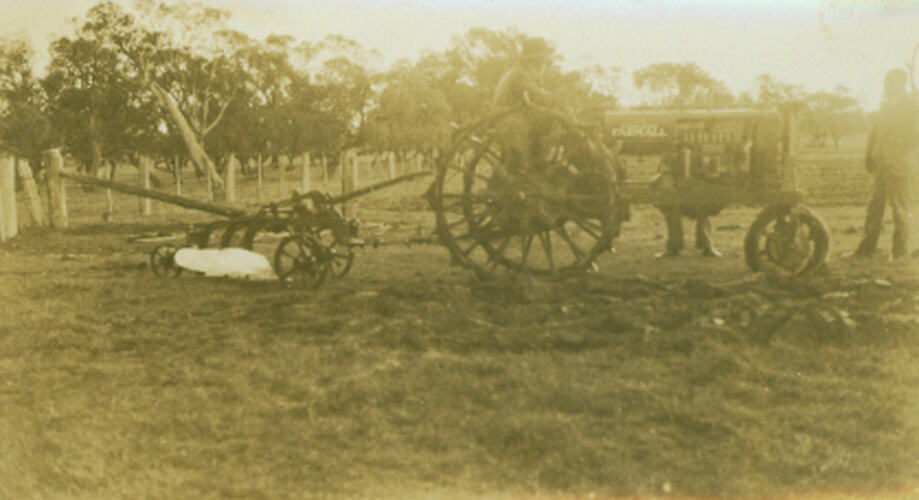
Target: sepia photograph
[459, 249]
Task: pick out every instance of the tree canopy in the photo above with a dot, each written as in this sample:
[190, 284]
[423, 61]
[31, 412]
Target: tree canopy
[103, 95]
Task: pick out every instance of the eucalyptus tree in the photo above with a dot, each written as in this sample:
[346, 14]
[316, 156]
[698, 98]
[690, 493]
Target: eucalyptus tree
[25, 129]
[97, 109]
[180, 53]
[675, 85]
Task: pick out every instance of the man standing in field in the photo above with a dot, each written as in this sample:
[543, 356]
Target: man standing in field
[892, 156]
[673, 216]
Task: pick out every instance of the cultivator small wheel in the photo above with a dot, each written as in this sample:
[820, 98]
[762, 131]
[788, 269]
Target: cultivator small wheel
[552, 217]
[786, 240]
[341, 255]
[301, 262]
[162, 262]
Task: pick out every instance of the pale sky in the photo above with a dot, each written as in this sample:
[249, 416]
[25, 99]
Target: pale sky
[817, 43]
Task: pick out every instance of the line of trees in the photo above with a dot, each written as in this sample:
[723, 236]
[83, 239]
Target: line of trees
[172, 81]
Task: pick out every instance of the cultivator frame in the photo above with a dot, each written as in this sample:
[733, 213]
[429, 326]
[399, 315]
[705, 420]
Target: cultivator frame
[317, 240]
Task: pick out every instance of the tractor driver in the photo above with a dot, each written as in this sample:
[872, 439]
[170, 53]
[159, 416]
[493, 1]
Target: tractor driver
[519, 88]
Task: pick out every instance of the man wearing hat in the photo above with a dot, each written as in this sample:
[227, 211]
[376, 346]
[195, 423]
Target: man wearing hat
[519, 86]
[519, 89]
[892, 155]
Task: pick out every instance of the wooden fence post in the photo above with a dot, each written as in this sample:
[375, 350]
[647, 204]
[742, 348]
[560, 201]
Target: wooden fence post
[305, 173]
[347, 181]
[31, 190]
[8, 198]
[392, 165]
[109, 197]
[258, 170]
[281, 193]
[419, 161]
[229, 183]
[143, 166]
[325, 172]
[355, 171]
[57, 195]
[177, 174]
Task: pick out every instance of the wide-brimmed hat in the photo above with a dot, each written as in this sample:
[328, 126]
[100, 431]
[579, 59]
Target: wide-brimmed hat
[535, 48]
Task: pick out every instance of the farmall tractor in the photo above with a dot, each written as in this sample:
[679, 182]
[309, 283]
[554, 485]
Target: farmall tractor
[556, 213]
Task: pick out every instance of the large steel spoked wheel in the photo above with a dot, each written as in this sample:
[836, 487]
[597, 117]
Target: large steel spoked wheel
[162, 262]
[787, 240]
[550, 216]
[300, 262]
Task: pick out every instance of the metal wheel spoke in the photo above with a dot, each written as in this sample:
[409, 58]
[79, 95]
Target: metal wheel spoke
[527, 243]
[469, 250]
[499, 252]
[583, 224]
[465, 172]
[456, 224]
[545, 238]
[571, 244]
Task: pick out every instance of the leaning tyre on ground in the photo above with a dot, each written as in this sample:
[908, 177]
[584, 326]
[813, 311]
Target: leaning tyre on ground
[787, 240]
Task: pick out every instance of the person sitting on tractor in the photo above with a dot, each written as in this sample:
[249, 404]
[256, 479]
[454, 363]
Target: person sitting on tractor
[519, 89]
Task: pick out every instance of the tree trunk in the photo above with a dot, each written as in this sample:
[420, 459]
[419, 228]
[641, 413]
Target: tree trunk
[192, 142]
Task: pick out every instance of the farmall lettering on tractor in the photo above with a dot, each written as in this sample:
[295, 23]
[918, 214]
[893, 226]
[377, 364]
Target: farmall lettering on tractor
[555, 214]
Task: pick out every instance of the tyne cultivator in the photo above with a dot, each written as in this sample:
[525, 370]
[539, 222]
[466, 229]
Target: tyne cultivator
[313, 239]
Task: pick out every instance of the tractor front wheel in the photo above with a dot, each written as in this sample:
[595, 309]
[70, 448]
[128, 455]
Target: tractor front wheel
[787, 240]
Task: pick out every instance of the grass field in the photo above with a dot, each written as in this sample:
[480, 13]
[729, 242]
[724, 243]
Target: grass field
[685, 378]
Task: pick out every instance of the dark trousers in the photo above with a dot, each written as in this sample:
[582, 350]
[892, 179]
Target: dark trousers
[893, 190]
[675, 231]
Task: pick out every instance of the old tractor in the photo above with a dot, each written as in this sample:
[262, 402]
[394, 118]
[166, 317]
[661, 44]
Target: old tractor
[555, 214]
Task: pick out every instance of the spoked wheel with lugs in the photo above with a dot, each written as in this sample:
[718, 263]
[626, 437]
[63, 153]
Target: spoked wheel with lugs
[551, 213]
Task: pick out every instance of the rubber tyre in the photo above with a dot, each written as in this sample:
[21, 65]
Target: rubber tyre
[819, 235]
